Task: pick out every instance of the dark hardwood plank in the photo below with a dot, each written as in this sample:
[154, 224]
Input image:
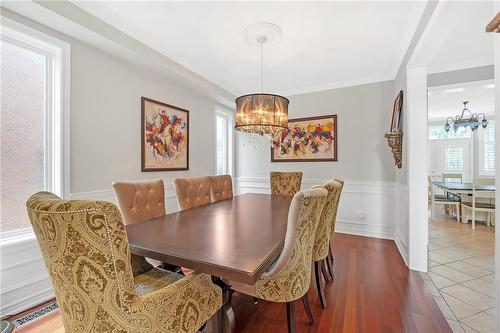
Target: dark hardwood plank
[373, 292]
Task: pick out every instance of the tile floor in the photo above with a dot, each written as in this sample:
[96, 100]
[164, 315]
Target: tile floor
[461, 273]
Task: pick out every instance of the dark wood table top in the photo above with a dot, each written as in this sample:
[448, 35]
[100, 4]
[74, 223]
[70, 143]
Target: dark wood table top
[454, 186]
[236, 239]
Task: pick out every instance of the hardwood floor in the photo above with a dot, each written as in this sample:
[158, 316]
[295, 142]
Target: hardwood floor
[373, 292]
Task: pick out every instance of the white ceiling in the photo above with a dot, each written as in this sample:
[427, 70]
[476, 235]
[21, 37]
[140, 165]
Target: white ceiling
[324, 45]
[446, 101]
[467, 45]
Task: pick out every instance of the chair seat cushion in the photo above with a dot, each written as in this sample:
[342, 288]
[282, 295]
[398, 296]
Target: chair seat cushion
[441, 197]
[154, 279]
[485, 205]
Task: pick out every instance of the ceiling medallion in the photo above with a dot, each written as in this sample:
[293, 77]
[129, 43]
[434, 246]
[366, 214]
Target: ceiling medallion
[261, 113]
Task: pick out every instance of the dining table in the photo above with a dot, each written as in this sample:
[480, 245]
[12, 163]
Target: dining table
[236, 239]
[462, 188]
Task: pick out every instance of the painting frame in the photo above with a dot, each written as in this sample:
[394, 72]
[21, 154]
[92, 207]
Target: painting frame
[397, 109]
[321, 159]
[144, 168]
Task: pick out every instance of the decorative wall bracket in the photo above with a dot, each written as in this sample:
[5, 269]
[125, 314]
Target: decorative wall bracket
[395, 141]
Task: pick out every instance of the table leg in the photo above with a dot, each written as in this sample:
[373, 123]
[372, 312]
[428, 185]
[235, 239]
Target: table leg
[228, 320]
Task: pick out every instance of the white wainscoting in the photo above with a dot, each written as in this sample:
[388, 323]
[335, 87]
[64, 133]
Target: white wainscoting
[367, 208]
[400, 220]
[24, 279]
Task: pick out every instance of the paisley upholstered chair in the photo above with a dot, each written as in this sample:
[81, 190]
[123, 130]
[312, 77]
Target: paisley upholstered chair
[86, 252]
[285, 183]
[139, 201]
[288, 279]
[221, 187]
[323, 236]
[192, 192]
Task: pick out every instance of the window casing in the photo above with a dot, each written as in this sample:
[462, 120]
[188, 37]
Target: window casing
[54, 129]
[487, 150]
[224, 124]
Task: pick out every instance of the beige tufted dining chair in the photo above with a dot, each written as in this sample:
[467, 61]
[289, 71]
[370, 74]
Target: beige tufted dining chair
[221, 187]
[285, 183]
[334, 220]
[288, 279]
[140, 201]
[87, 255]
[192, 192]
[323, 235]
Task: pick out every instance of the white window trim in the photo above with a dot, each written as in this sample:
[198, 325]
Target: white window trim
[57, 110]
[481, 170]
[230, 139]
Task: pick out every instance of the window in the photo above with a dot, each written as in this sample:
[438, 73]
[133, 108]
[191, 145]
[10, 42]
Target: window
[33, 112]
[487, 150]
[454, 159]
[224, 142]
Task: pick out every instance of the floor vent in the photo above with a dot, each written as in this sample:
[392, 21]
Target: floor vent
[35, 315]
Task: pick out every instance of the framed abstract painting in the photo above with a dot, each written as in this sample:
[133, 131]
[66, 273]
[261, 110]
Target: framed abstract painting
[165, 136]
[312, 139]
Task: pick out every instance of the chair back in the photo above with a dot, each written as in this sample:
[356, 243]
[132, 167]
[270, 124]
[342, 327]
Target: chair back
[291, 272]
[285, 183]
[452, 177]
[86, 252]
[430, 187]
[141, 200]
[326, 223]
[221, 187]
[337, 203]
[479, 193]
[192, 192]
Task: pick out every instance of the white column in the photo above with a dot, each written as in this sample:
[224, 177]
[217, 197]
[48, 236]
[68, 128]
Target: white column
[416, 131]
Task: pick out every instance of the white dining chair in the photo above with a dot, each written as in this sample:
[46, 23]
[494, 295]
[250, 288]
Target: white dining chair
[487, 206]
[440, 199]
[452, 177]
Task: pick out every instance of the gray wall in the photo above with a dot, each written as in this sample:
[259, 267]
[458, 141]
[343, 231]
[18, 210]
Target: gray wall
[105, 117]
[460, 76]
[364, 115]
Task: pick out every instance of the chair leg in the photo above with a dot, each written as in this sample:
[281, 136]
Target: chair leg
[290, 317]
[473, 219]
[330, 269]
[330, 261]
[319, 285]
[307, 307]
[330, 254]
[255, 300]
[217, 321]
[324, 271]
[458, 212]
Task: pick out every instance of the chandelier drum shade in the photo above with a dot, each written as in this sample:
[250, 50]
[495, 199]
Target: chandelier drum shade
[263, 114]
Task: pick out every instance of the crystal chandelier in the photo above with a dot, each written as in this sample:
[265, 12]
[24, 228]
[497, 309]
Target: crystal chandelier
[466, 119]
[262, 113]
